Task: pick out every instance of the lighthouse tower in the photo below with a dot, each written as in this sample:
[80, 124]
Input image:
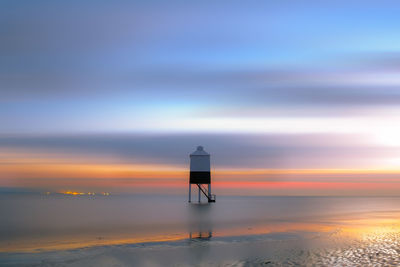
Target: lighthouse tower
[200, 174]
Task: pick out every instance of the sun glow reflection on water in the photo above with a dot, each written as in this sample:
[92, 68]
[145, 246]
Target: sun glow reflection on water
[57, 221]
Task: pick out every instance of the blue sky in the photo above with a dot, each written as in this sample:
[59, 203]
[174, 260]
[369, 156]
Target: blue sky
[242, 72]
[92, 61]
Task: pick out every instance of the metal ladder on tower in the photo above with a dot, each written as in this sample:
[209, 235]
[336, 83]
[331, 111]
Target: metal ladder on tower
[210, 197]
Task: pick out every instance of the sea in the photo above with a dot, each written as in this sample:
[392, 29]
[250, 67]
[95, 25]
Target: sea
[53, 229]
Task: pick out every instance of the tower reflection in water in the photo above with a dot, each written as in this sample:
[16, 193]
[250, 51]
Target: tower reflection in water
[200, 226]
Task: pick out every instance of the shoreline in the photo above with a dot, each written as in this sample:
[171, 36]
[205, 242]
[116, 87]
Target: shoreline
[39, 245]
[336, 248]
[356, 225]
[36, 256]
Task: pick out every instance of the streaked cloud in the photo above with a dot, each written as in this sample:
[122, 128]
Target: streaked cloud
[124, 88]
[230, 151]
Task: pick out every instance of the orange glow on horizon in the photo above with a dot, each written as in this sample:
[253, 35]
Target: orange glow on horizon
[59, 173]
[156, 171]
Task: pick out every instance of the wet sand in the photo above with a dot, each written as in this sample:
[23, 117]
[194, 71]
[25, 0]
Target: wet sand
[340, 247]
[353, 232]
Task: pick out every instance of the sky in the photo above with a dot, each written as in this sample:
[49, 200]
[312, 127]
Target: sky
[289, 97]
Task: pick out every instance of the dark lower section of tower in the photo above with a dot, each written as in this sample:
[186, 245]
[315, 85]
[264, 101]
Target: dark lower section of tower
[200, 177]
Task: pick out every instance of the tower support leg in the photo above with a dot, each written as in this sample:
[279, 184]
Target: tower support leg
[199, 195]
[190, 192]
[209, 191]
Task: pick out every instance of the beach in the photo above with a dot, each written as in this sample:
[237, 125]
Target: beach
[156, 230]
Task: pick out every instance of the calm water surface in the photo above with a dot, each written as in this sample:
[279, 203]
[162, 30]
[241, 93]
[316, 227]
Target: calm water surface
[57, 220]
[44, 223]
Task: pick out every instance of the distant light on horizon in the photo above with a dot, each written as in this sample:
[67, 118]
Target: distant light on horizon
[75, 193]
